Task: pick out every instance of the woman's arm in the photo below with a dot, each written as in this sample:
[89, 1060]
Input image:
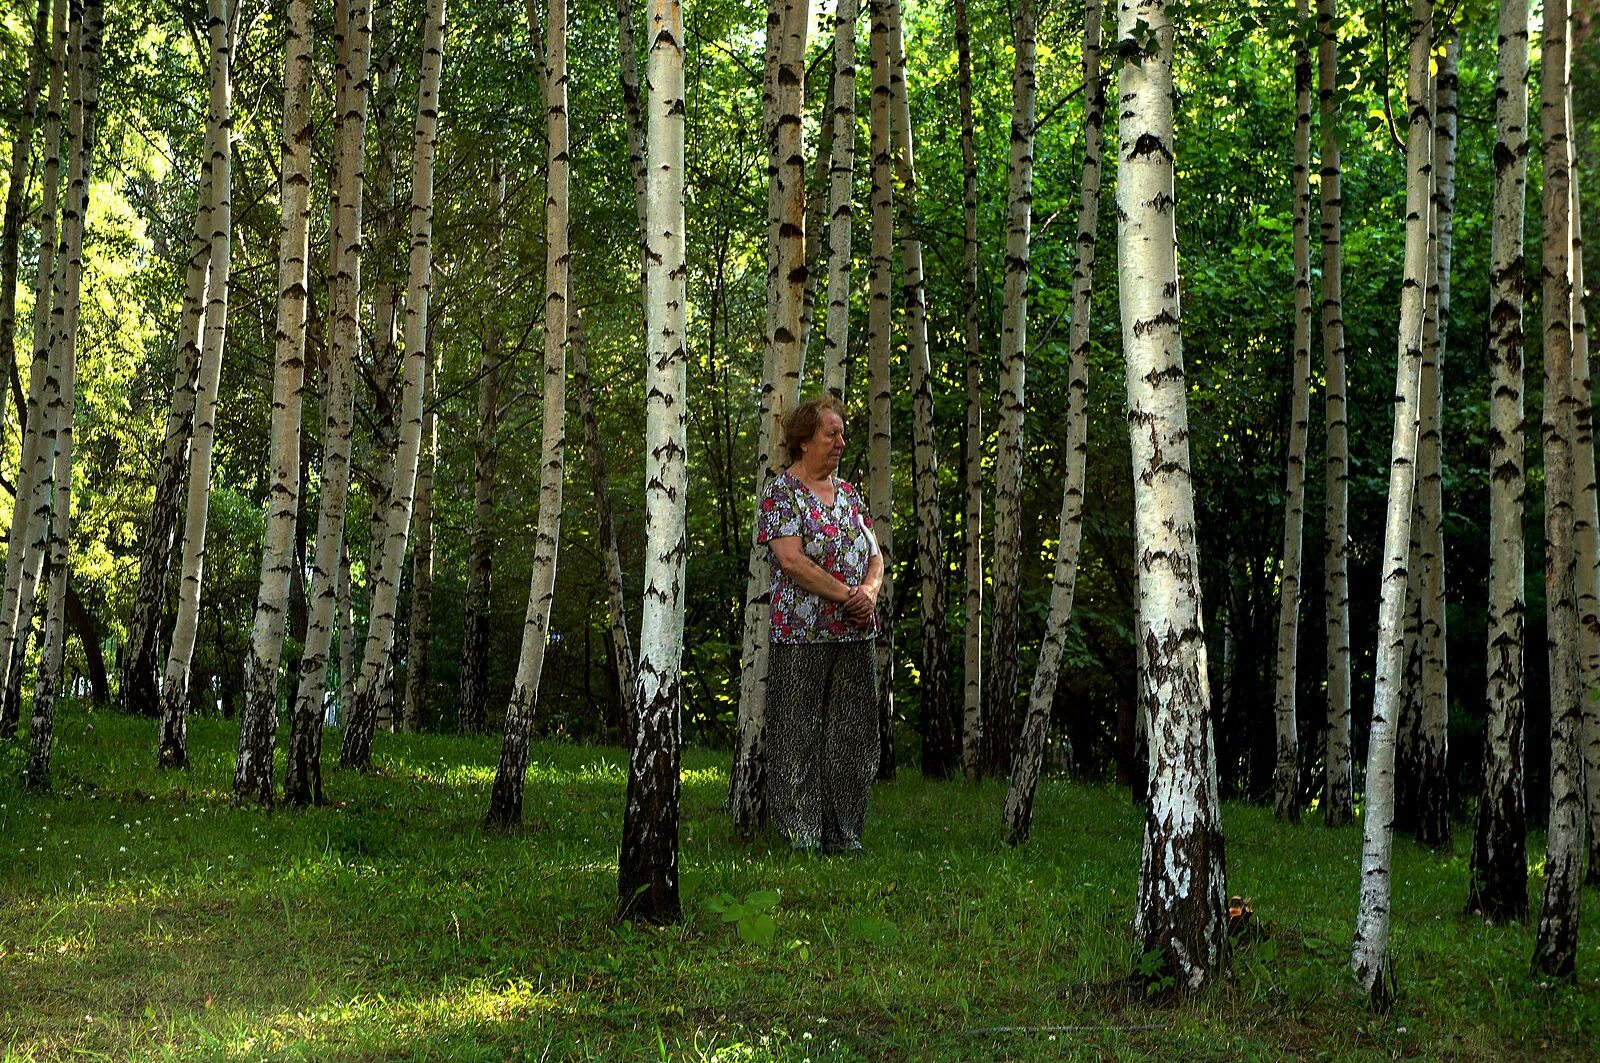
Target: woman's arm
[791, 557]
[864, 602]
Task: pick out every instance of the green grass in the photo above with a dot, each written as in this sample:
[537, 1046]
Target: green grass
[142, 916]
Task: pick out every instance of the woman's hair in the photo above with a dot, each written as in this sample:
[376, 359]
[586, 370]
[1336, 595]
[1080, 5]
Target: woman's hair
[801, 423]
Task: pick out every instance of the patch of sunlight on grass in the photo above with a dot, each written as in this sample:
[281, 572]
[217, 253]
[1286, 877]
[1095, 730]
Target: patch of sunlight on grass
[704, 776]
[444, 774]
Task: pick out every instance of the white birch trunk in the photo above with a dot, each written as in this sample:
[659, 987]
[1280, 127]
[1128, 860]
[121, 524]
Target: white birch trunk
[258, 722]
[1589, 560]
[303, 781]
[172, 744]
[1338, 796]
[29, 467]
[780, 389]
[1556, 944]
[647, 871]
[1182, 907]
[972, 525]
[505, 803]
[841, 179]
[377, 655]
[880, 313]
[1369, 957]
[419, 637]
[87, 29]
[1286, 768]
[1027, 762]
[1498, 887]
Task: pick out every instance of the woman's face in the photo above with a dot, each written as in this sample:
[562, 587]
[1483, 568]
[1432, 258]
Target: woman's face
[826, 445]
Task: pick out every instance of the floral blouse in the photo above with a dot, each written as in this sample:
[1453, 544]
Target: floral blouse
[838, 538]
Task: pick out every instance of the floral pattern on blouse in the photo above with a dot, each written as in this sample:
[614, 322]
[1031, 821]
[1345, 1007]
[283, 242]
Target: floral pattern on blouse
[837, 537]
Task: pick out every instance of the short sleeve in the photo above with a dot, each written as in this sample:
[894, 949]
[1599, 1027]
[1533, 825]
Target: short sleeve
[777, 515]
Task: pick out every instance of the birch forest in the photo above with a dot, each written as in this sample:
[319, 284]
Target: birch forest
[389, 387]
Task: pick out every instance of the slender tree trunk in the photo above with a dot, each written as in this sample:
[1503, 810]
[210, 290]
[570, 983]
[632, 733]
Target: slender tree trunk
[784, 362]
[880, 313]
[258, 721]
[619, 649]
[1433, 780]
[377, 656]
[1369, 957]
[1182, 908]
[972, 526]
[1556, 946]
[1498, 887]
[419, 646]
[480, 536]
[647, 871]
[1338, 798]
[16, 193]
[841, 179]
[505, 802]
[940, 745]
[1589, 562]
[1286, 769]
[303, 780]
[345, 604]
[1000, 730]
[172, 744]
[1027, 760]
[19, 585]
[88, 27]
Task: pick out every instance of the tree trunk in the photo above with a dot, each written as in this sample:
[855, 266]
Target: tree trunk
[480, 536]
[939, 742]
[1498, 888]
[16, 192]
[172, 744]
[1556, 946]
[647, 871]
[1338, 797]
[1589, 560]
[303, 781]
[972, 526]
[1027, 760]
[377, 657]
[258, 721]
[1182, 908]
[1286, 768]
[880, 312]
[88, 27]
[419, 646]
[19, 584]
[1000, 729]
[841, 178]
[505, 802]
[784, 362]
[1369, 957]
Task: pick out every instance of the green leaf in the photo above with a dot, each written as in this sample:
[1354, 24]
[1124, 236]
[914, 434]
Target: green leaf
[757, 929]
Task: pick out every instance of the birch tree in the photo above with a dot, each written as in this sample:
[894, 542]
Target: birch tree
[880, 311]
[1589, 559]
[841, 181]
[972, 526]
[1027, 761]
[939, 744]
[172, 743]
[258, 722]
[303, 779]
[1181, 913]
[780, 389]
[87, 30]
[1498, 887]
[1432, 783]
[1556, 945]
[39, 67]
[999, 715]
[419, 645]
[505, 802]
[33, 438]
[647, 870]
[1369, 958]
[377, 655]
[1286, 769]
[480, 534]
[1338, 798]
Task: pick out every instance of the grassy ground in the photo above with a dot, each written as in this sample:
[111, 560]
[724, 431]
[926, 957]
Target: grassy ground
[141, 916]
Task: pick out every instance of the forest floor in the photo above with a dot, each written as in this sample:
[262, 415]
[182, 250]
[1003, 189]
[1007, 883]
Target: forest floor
[143, 916]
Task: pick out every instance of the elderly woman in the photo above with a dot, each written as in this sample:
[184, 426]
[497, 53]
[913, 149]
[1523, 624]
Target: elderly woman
[822, 715]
